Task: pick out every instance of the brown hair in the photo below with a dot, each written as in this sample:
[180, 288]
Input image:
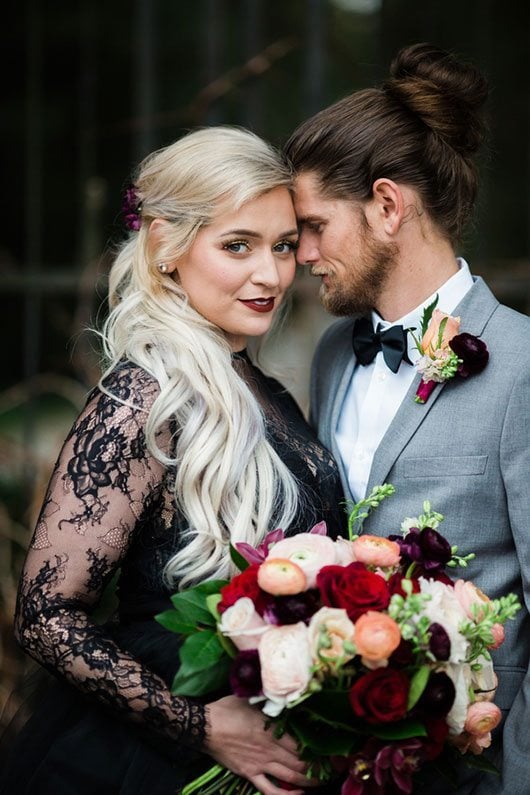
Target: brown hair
[421, 127]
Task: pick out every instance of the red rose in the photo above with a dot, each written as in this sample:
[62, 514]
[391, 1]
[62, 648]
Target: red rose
[244, 584]
[380, 696]
[395, 584]
[353, 588]
[437, 731]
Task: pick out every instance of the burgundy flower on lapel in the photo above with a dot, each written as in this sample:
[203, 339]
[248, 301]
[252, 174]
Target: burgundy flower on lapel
[445, 353]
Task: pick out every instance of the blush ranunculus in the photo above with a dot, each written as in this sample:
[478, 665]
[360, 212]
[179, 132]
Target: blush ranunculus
[243, 624]
[469, 596]
[380, 696]
[310, 551]
[329, 629]
[353, 588]
[375, 551]
[482, 717]
[285, 660]
[376, 636]
[244, 584]
[430, 342]
[281, 577]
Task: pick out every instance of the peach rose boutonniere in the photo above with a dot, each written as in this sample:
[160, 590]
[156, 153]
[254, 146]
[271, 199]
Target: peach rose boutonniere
[445, 352]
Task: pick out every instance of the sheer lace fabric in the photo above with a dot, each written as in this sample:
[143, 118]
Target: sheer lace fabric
[110, 508]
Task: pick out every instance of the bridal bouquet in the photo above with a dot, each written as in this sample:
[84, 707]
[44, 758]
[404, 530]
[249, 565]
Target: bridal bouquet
[363, 649]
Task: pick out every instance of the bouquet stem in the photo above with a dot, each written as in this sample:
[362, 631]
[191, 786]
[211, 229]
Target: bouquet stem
[217, 780]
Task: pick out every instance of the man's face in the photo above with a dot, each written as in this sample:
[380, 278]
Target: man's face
[338, 244]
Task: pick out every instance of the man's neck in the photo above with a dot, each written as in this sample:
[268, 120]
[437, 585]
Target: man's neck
[416, 277]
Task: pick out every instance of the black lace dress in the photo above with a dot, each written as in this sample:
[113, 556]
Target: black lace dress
[111, 724]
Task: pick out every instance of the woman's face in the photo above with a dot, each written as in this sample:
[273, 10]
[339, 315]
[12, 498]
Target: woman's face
[238, 269]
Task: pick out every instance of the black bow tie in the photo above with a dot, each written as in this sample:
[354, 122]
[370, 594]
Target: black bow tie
[392, 342]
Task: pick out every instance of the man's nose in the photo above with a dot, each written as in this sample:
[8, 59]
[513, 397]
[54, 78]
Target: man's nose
[307, 252]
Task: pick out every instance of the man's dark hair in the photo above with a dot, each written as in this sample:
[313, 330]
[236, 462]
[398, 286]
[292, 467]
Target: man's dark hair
[421, 128]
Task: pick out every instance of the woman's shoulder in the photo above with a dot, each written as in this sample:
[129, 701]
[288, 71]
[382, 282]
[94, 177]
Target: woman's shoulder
[131, 385]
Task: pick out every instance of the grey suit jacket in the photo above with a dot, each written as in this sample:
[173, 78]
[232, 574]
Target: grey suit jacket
[467, 450]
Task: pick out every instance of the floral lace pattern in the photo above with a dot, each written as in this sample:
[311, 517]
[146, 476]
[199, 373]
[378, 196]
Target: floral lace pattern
[110, 507]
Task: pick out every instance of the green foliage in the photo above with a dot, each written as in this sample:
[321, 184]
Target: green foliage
[362, 509]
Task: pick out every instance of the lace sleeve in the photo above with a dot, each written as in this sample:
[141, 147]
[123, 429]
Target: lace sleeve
[102, 483]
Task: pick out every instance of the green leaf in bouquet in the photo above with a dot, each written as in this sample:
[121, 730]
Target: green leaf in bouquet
[170, 619]
[480, 763]
[402, 730]
[191, 604]
[315, 735]
[418, 683]
[238, 559]
[191, 682]
[211, 603]
[332, 707]
[200, 651]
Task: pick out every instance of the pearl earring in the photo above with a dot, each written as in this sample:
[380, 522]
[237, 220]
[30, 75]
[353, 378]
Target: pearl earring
[162, 267]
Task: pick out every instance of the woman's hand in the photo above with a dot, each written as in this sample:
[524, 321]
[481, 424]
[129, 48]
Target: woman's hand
[237, 739]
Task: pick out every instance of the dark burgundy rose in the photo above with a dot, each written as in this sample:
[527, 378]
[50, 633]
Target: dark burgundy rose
[245, 674]
[409, 546]
[353, 588]
[438, 696]
[472, 351]
[439, 642]
[380, 696]
[292, 609]
[403, 655]
[435, 549]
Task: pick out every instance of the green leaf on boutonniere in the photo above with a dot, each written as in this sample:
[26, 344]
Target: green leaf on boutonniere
[418, 683]
[427, 314]
[441, 330]
[238, 559]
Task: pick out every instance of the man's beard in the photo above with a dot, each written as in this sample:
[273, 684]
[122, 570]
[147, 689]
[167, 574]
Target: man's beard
[360, 292]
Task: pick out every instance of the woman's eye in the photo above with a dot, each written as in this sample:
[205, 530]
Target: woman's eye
[237, 246]
[286, 246]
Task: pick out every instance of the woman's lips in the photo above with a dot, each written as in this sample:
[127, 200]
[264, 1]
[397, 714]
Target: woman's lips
[259, 304]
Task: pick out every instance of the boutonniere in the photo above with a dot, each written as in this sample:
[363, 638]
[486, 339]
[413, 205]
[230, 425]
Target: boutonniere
[445, 352]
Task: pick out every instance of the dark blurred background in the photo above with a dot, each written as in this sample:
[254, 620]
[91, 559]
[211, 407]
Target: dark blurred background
[91, 87]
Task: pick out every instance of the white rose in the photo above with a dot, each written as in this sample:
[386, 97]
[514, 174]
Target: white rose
[461, 677]
[242, 624]
[444, 608]
[285, 665]
[310, 551]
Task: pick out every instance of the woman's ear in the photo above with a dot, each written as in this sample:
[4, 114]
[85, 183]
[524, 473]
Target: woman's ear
[156, 237]
[387, 206]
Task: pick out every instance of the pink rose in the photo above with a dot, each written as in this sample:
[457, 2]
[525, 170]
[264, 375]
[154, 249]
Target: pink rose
[469, 595]
[375, 551]
[310, 551]
[329, 629]
[242, 624]
[376, 637]
[482, 717]
[281, 577]
[285, 661]
[430, 339]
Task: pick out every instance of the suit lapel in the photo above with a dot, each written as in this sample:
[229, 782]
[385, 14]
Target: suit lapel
[346, 365]
[475, 309]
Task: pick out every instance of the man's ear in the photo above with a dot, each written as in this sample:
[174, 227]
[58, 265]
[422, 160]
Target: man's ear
[156, 237]
[387, 206]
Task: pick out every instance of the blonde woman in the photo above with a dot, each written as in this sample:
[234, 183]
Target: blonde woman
[184, 446]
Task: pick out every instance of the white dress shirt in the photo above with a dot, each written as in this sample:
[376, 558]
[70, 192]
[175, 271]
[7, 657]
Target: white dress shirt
[375, 392]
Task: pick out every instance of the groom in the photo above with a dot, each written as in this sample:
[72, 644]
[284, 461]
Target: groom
[385, 183]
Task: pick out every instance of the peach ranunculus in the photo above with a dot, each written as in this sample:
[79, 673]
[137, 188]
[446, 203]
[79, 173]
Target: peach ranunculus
[430, 339]
[285, 661]
[329, 630]
[281, 577]
[469, 595]
[309, 551]
[482, 717]
[376, 637]
[375, 551]
[242, 624]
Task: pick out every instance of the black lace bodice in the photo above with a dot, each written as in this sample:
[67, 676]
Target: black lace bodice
[110, 508]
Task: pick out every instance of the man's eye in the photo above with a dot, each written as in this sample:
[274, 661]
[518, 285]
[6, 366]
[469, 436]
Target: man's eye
[286, 246]
[237, 246]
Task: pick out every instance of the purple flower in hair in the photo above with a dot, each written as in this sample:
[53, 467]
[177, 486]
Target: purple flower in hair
[131, 208]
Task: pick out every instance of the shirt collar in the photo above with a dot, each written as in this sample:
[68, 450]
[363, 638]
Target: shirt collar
[449, 296]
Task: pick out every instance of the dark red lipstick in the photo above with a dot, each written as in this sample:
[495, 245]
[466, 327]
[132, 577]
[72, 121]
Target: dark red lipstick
[259, 304]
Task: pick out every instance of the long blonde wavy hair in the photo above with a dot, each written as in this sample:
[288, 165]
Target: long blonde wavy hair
[230, 484]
